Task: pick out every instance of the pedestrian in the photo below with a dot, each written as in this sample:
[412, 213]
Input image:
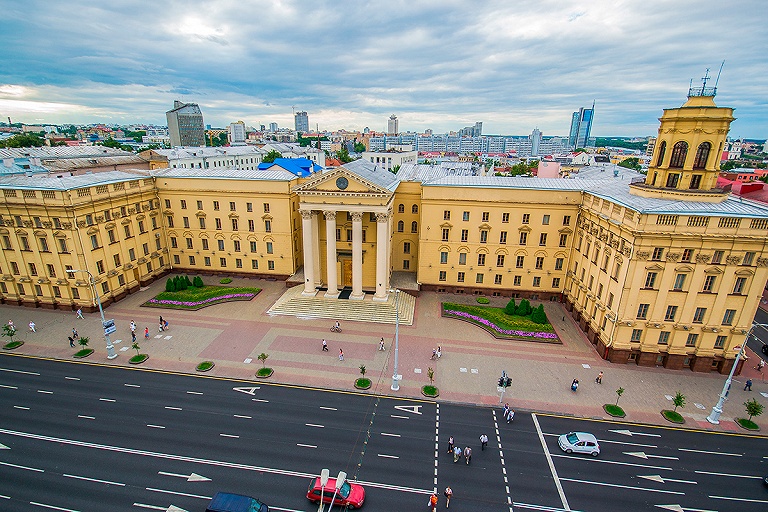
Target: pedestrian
[32, 326]
[599, 378]
[341, 355]
[505, 411]
[381, 344]
[162, 322]
[432, 503]
[133, 326]
[483, 441]
[325, 345]
[439, 352]
[165, 325]
[133, 336]
[146, 333]
[468, 454]
[748, 385]
[434, 354]
[510, 415]
[74, 333]
[450, 444]
[160, 327]
[10, 324]
[448, 494]
[71, 341]
[456, 454]
[575, 385]
[760, 366]
[80, 314]
[563, 318]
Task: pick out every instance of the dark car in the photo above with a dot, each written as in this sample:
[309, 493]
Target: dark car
[227, 502]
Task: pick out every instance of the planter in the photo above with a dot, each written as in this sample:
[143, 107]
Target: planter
[747, 424]
[265, 373]
[83, 353]
[138, 359]
[363, 383]
[614, 410]
[673, 416]
[12, 345]
[430, 391]
[205, 366]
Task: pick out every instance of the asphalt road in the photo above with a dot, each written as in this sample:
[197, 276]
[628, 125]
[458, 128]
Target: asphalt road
[760, 337]
[78, 437]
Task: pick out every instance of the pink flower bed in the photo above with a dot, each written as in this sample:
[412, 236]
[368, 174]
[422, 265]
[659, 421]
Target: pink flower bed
[508, 332]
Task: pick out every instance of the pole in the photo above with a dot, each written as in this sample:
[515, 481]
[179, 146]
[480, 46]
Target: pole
[395, 380]
[110, 348]
[717, 410]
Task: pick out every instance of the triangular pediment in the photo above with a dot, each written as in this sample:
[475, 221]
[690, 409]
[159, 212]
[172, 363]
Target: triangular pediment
[340, 182]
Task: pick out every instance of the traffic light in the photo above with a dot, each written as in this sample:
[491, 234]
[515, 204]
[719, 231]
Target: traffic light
[507, 382]
[501, 382]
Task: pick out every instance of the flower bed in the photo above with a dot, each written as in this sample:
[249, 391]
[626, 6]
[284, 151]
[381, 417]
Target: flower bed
[501, 325]
[198, 298]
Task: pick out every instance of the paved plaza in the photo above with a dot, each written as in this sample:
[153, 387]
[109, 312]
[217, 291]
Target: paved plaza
[234, 334]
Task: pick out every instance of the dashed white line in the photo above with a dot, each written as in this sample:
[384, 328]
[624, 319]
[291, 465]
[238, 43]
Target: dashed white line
[314, 425]
[3, 496]
[52, 507]
[8, 387]
[399, 417]
[155, 426]
[387, 456]
[94, 480]
[737, 499]
[132, 385]
[605, 484]
[22, 467]
[71, 378]
[390, 435]
[45, 392]
[18, 371]
[306, 445]
[178, 493]
[173, 408]
[107, 400]
[711, 453]
[230, 435]
[242, 416]
[727, 474]
[21, 407]
[152, 507]
[329, 408]
[194, 393]
[86, 417]
[259, 400]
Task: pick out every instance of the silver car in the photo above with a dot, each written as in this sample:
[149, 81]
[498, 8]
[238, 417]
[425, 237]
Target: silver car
[579, 442]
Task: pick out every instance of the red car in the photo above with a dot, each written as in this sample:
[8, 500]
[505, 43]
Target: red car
[352, 495]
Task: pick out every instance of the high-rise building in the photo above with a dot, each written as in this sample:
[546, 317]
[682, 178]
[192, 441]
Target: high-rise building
[581, 126]
[185, 124]
[535, 137]
[273, 127]
[301, 120]
[236, 133]
[393, 125]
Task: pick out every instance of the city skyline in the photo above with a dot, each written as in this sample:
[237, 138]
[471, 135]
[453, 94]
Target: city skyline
[438, 66]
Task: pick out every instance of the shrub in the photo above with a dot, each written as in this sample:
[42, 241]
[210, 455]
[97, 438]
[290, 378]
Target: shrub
[182, 284]
[169, 286]
[524, 309]
[226, 280]
[483, 300]
[510, 308]
[753, 408]
[187, 281]
[197, 282]
[538, 315]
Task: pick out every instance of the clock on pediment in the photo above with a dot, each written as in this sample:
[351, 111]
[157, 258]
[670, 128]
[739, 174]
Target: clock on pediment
[342, 183]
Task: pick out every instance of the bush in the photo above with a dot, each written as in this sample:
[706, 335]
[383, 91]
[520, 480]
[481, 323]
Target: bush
[747, 424]
[483, 300]
[614, 410]
[205, 366]
[226, 280]
[524, 309]
[187, 282]
[538, 315]
[429, 390]
[197, 282]
[169, 286]
[510, 308]
[182, 284]
[673, 416]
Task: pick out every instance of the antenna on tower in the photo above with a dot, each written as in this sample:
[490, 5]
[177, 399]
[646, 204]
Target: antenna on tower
[293, 108]
[718, 73]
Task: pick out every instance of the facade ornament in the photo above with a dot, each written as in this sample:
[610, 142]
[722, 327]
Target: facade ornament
[627, 251]
[330, 214]
[306, 214]
[733, 260]
[81, 224]
[673, 256]
[357, 216]
[703, 258]
[642, 255]
[382, 217]
[762, 262]
[28, 224]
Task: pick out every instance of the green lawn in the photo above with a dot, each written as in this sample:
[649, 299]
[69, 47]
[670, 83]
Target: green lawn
[500, 324]
[196, 298]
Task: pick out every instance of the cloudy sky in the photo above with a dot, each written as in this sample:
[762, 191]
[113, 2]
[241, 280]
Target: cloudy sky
[514, 65]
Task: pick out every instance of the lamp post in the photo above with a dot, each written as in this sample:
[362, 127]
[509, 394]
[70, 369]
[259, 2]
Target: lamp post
[395, 377]
[110, 348]
[717, 410]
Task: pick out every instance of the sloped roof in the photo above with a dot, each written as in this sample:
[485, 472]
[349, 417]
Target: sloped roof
[276, 174]
[373, 173]
[301, 167]
[39, 182]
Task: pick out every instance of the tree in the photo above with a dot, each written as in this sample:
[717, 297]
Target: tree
[135, 346]
[359, 147]
[271, 156]
[430, 375]
[83, 341]
[9, 331]
[169, 286]
[679, 401]
[754, 408]
[395, 169]
[187, 281]
[538, 315]
[362, 370]
[510, 308]
[263, 358]
[619, 392]
[343, 155]
[524, 309]
[198, 282]
[22, 140]
[630, 163]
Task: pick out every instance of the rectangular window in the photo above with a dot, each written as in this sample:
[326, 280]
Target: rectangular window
[191, 260]
[268, 226]
[207, 261]
[658, 252]
[465, 216]
[591, 282]
[505, 217]
[254, 264]
[738, 286]
[183, 204]
[141, 227]
[729, 316]
[173, 242]
[447, 215]
[145, 247]
[616, 270]
[253, 246]
[500, 260]
[32, 269]
[199, 205]
[636, 335]
[443, 257]
[555, 282]
[94, 242]
[7, 243]
[445, 234]
[56, 291]
[266, 207]
[202, 223]
[503, 237]
[664, 338]
[51, 270]
[234, 224]
[270, 248]
[464, 235]
[497, 279]
[105, 287]
[215, 205]
[480, 260]
[43, 244]
[545, 220]
[483, 236]
[116, 259]
[460, 277]
[185, 221]
[169, 218]
[698, 316]
[223, 262]
[517, 281]
[523, 238]
[132, 254]
[610, 301]
[232, 207]
[717, 257]
[121, 280]
[442, 275]
[218, 223]
[543, 239]
[720, 341]
[176, 259]
[479, 278]
[559, 264]
[205, 244]
[519, 262]
[748, 258]
[539, 262]
[536, 282]
[111, 236]
[563, 240]
[189, 243]
[526, 218]
[650, 279]
[670, 314]
[462, 258]
[25, 243]
[15, 268]
[220, 243]
[406, 264]
[642, 311]
[687, 255]
[406, 247]
[249, 207]
[75, 293]
[709, 284]
[691, 340]
[566, 220]
[679, 282]
[486, 216]
[599, 291]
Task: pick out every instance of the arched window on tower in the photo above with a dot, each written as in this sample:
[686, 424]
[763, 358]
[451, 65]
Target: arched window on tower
[414, 227]
[679, 152]
[662, 151]
[415, 208]
[702, 155]
[400, 226]
[401, 208]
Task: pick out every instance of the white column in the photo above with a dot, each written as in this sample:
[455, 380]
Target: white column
[357, 256]
[330, 254]
[316, 253]
[382, 249]
[308, 236]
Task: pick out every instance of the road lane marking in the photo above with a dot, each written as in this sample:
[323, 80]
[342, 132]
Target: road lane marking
[230, 435]
[726, 474]
[132, 385]
[678, 508]
[242, 416]
[93, 480]
[711, 453]
[152, 507]
[8, 387]
[259, 400]
[52, 507]
[603, 461]
[45, 392]
[413, 409]
[22, 467]
[659, 479]
[155, 426]
[390, 435]
[306, 445]
[86, 417]
[737, 499]
[3, 496]
[630, 433]
[21, 407]
[18, 371]
[107, 400]
[387, 456]
[194, 393]
[329, 408]
[605, 484]
[248, 391]
[173, 408]
[640, 445]
[551, 463]
[193, 477]
[179, 493]
[314, 425]
[399, 417]
[71, 378]
[643, 455]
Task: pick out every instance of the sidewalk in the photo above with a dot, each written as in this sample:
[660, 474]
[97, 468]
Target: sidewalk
[234, 334]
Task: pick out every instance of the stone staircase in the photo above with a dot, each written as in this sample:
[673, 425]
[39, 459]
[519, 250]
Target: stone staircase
[291, 303]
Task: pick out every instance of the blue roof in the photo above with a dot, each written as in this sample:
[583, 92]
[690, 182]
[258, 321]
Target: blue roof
[301, 167]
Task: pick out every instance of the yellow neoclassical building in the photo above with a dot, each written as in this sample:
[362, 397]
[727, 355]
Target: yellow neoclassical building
[663, 269]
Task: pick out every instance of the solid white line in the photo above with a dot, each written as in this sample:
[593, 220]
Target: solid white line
[399, 417]
[241, 416]
[94, 480]
[179, 493]
[71, 378]
[621, 486]
[21, 407]
[390, 435]
[711, 453]
[51, 507]
[737, 499]
[259, 400]
[592, 459]
[5, 497]
[132, 386]
[45, 392]
[86, 417]
[18, 371]
[22, 467]
[9, 387]
[726, 474]
[155, 426]
[306, 445]
[230, 435]
[194, 393]
[173, 408]
[628, 444]
[387, 456]
[107, 400]
[314, 425]
[329, 408]
[552, 469]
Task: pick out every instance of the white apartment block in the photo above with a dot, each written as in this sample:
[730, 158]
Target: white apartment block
[391, 158]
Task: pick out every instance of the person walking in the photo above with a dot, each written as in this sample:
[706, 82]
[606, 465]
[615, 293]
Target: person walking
[432, 503]
[146, 333]
[456, 454]
[133, 326]
[448, 495]
[599, 379]
[10, 324]
[450, 444]
[74, 334]
[325, 345]
[505, 411]
[748, 385]
[381, 344]
[71, 341]
[468, 454]
[510, 415]
[760, 366]
[434, 354]
[575, 385]
[483, 441]
[133, 336]
[341, 355]
[32, 326]
[80, 314]
[439, 352]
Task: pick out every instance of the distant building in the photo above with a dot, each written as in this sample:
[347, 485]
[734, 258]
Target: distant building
[392, 159]
[185, 124]
[535, 137]
[236, 133]
[273, 127]
[301, 120]
[393, 127]
[581, 126]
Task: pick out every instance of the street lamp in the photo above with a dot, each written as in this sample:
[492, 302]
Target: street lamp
[110, 349]
[395, 377]
[714, 416]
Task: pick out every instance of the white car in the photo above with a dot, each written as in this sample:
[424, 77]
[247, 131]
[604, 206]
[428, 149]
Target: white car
[579, 442]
